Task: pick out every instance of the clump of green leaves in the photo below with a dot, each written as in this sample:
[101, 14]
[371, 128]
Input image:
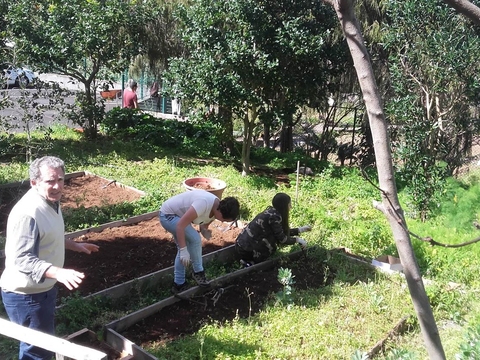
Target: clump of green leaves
[196, 138]
[76, 312]
[471, 348]
[286, 278]
[359, 355]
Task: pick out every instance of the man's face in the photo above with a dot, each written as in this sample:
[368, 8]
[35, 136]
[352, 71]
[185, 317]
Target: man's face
[50, 184]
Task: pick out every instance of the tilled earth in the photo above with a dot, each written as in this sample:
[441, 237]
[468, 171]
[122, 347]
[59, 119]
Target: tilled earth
[130, 251]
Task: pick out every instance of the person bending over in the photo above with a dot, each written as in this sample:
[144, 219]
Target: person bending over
[177, 215]
[268, 230]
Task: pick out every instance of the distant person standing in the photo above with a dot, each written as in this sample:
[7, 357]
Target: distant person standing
[35, 254]
[130, 99]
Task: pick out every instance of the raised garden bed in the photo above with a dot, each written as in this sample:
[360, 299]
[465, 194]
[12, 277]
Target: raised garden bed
[241, 293]
[82, 190]
[131, 249]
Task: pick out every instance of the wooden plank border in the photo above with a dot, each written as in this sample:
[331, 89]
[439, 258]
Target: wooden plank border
[59, 346]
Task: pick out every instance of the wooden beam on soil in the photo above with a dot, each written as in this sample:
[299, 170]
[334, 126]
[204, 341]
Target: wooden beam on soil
[129, 221]
[119, 342]
[61, 347]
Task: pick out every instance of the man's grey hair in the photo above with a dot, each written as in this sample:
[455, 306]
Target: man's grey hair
[131, 83]
[51, 162]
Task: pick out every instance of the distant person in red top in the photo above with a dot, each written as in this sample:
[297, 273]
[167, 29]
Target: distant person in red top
[130, 96]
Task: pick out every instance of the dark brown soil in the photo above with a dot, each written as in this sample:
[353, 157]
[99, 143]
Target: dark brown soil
[130, 251]
[87, 191]
[242, 298]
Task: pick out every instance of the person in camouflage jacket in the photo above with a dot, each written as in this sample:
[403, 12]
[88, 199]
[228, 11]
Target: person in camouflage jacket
[268, 230]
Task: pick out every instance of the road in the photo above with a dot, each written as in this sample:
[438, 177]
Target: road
[14, 115]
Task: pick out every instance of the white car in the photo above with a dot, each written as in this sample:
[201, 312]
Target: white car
[11, 76]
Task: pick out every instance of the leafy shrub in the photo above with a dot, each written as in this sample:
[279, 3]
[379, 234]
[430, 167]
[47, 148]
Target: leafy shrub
[471, 348]
[199, 139]
[277, 160]
[286, 278]
[76, 312]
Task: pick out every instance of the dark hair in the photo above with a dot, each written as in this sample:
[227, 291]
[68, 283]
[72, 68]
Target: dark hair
[281, 202]
[229, 208]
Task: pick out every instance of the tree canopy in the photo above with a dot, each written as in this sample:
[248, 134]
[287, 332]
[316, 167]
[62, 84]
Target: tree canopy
[254, 57]
[80, 38]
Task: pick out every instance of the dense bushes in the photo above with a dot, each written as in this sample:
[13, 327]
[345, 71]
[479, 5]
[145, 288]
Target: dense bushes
[185, 136]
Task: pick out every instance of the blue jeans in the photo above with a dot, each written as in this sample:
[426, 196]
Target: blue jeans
[35, 311]
[194, 246]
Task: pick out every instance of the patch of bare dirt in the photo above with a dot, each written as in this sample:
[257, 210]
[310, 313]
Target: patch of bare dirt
[83, 191]
[130, 251]
[90, 190]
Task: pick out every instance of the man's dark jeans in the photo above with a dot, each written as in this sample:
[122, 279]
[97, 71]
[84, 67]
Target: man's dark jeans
[35, 311]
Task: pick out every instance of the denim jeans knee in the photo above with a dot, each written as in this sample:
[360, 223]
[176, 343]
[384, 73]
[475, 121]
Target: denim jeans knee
[193, 242]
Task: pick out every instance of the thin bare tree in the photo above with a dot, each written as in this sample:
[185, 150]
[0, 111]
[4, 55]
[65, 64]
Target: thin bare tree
[389, 205]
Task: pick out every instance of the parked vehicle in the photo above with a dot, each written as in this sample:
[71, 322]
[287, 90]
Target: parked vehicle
[11, 76]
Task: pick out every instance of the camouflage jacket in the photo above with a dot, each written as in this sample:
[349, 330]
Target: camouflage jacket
[264, 234]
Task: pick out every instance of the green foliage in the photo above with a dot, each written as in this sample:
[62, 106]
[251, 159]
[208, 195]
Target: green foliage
[456, 212]
[102, 35]
[359, 355]
[82, 218]
[423, 176]
[200, 139]
[286, 278]
[76, 313]
[90, 26]
[400, 354]
[276, 160]
[87, 113]
[433, 90]
[470, 349]
[446, 300]
[254, 59]
[459, 201]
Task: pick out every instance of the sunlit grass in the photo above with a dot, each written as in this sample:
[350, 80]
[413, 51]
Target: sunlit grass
[333, 322]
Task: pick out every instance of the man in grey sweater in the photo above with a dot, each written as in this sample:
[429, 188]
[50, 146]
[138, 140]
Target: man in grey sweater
[35, 253]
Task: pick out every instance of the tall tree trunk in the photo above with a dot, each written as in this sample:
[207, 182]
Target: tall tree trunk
[390, 205]
[266, 135]
[225, 116]
[286, 137]
[248, 125]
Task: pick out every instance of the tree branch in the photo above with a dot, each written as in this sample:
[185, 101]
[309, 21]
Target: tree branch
[466, 8]
[379, 206]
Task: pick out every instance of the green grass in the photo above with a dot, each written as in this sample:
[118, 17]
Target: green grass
[333, 322]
